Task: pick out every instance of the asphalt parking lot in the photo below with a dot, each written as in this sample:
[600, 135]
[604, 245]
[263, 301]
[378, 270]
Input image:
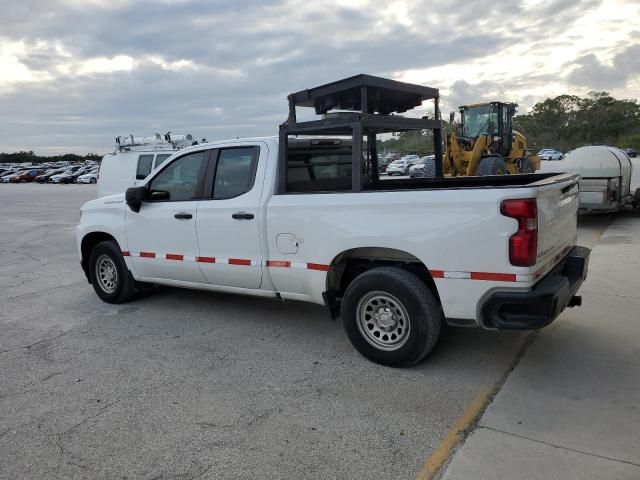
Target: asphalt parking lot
[185, 384]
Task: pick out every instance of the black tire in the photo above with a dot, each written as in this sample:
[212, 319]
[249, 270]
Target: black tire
[636, 198]
[110, 257]
[526, 166]
[492, 165]
[93, 180]
[412, 298]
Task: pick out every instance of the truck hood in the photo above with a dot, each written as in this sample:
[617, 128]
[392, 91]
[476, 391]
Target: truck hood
[115, 201]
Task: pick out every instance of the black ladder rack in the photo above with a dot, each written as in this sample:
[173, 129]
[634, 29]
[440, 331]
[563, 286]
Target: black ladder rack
[381, 98]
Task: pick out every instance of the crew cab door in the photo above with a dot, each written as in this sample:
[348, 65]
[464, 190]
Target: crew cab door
[161, 237]
[228, 224]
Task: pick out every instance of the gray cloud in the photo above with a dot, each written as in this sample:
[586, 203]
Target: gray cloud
[590, 72]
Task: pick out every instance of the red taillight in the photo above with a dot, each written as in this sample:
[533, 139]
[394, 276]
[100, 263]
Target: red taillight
[523, 245]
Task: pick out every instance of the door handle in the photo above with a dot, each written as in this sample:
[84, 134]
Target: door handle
[242, 216]
[183, 216]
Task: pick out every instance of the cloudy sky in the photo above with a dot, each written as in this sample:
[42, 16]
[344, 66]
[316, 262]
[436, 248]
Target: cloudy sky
[76, 73]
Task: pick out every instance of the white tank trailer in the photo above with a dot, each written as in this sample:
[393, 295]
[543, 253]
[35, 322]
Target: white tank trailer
[610, 179]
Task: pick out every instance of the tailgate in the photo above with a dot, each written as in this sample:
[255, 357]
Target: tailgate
[558, 205]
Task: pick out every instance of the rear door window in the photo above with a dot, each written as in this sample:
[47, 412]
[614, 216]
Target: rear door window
[145, 164]
[235, 172]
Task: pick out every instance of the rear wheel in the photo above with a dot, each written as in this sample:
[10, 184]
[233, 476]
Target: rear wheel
[93, 180]
[492, 165]
[391, 317]
[109, 275]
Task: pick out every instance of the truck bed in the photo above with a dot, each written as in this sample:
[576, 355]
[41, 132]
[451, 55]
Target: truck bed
[502, 181]
[343, 184]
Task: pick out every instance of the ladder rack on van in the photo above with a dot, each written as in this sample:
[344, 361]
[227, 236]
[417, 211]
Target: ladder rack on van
[155, 142]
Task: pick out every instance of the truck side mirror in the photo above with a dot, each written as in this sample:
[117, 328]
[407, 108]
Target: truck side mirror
[134, 197]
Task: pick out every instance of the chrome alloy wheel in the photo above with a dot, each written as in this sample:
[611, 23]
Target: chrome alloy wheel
[106, 274]
[383, 321]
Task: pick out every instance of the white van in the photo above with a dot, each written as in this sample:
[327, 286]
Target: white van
[134, 158]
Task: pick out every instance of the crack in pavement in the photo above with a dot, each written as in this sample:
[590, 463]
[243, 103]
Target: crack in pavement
[27, 347]
[45, 290]
[51, 375]
[554, 445]
[6, 395]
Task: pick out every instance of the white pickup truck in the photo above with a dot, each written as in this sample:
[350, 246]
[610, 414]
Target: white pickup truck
[395, 261]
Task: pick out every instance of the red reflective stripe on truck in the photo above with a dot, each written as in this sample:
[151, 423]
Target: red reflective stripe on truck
[126, 254]
[147, 255]
[437, 273]
[496, 277]
[173, 256]
[279, 263]
[206, 259]
[317, 266]
[239, 261]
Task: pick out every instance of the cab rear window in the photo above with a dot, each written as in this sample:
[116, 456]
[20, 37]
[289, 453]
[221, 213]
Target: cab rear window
[316, 170]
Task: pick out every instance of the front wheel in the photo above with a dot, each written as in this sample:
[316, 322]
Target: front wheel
[391, 316]
[109, 275]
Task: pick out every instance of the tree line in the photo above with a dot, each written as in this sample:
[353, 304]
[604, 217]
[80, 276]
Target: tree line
[564, 123]
[30, 157]
[569, 121]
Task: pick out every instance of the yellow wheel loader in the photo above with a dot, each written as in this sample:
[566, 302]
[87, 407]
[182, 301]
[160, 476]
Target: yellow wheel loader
[486, 144]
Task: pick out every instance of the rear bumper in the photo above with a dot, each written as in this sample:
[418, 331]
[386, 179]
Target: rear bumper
[541, 305]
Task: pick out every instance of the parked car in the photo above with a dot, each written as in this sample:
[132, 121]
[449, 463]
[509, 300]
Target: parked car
[417, 170]
[91, 177]
[549, 154]
[57, 178]
[401, 167]
[44, 178]
[8, 177]
[73, 177]
[387, 159]
[26, 177]
[388, 260]
[631, 152]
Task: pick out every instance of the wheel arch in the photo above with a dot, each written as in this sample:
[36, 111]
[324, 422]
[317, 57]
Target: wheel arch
[88, 243]
[349, 264]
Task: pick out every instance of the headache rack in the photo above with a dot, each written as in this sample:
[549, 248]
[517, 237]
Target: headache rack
[366, 106]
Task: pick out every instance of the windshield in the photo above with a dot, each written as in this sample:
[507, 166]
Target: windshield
[480, 120]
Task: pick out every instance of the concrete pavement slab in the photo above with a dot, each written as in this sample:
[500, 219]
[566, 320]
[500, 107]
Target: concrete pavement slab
[493, 455]
[578, 385]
